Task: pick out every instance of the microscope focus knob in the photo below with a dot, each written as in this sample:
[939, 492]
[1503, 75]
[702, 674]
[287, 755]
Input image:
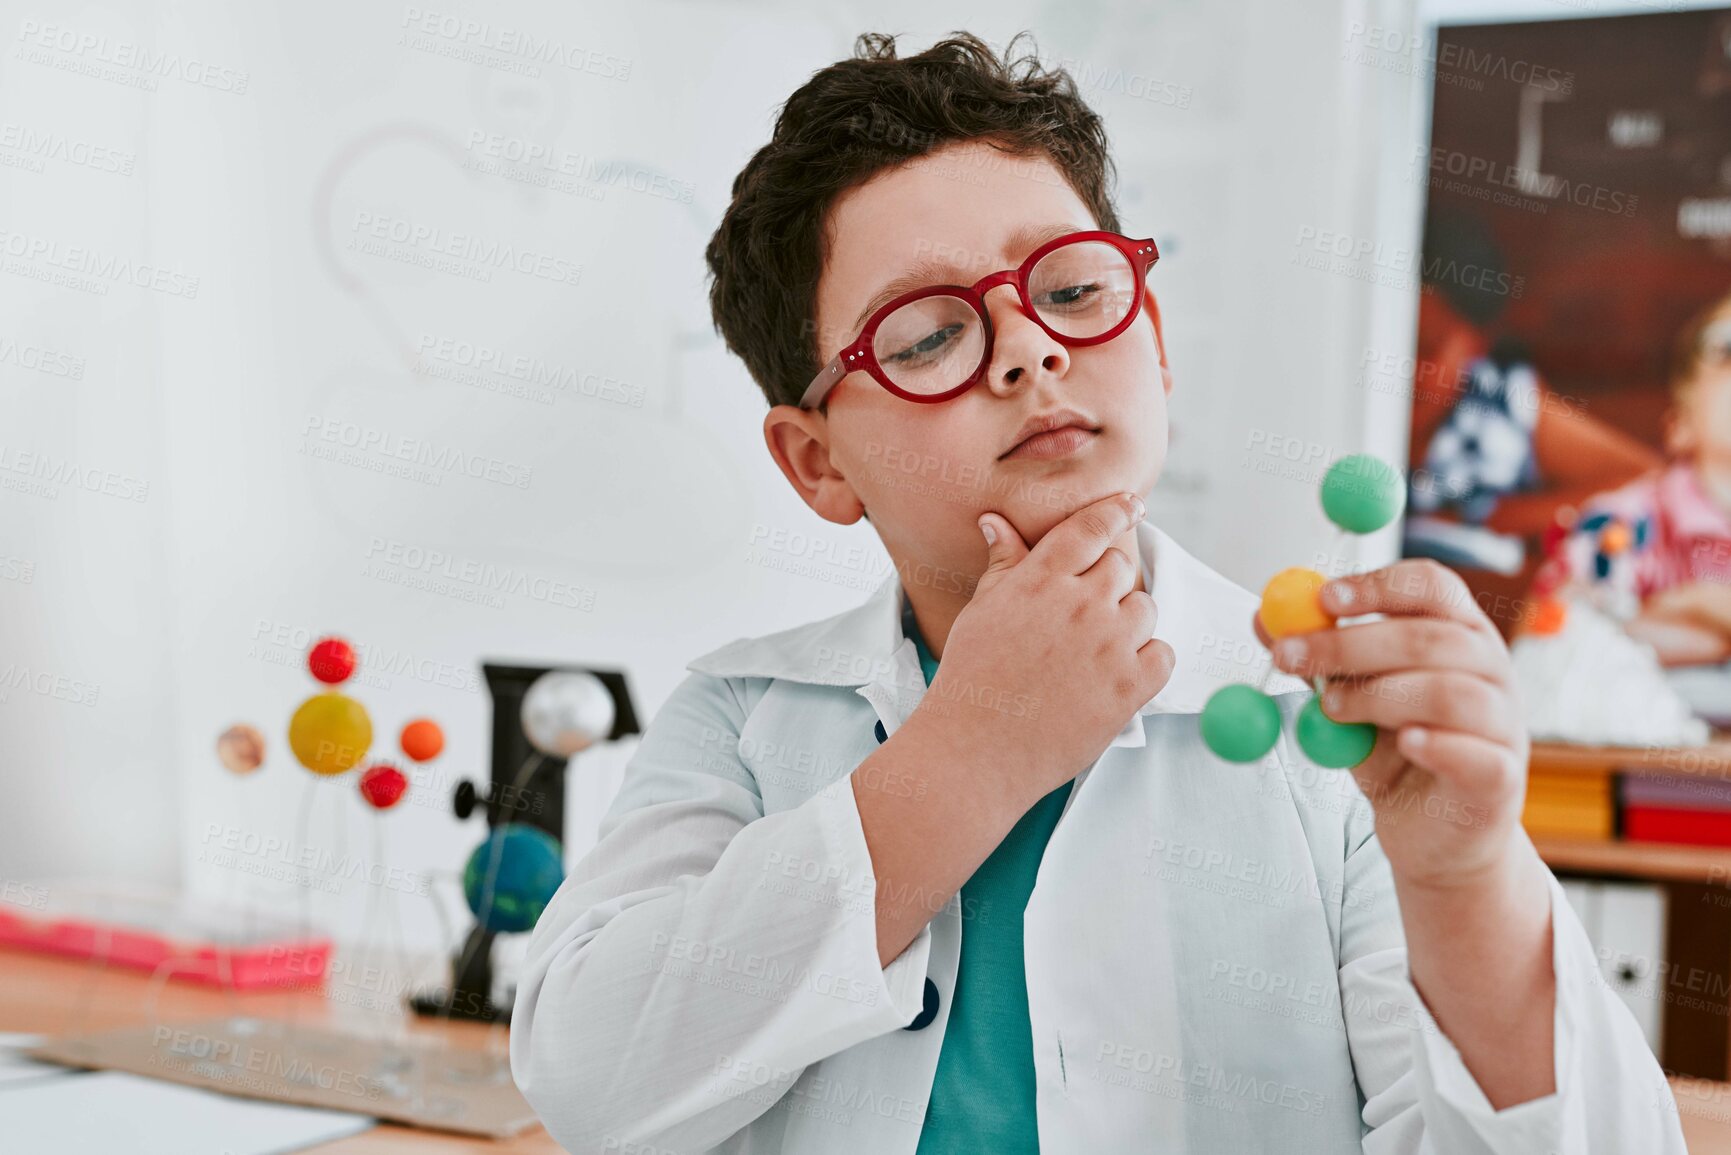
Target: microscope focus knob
[463, 801]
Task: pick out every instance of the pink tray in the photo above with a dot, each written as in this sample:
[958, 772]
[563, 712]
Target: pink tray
[250, 967]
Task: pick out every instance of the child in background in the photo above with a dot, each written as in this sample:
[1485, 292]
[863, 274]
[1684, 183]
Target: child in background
[1682, 568]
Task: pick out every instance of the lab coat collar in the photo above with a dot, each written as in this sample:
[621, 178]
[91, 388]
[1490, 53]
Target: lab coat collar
[1203, 616]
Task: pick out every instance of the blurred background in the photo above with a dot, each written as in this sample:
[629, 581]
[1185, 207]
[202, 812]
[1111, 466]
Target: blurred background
[304, 333]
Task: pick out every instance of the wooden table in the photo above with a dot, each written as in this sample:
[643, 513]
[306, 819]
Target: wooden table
[43, 995]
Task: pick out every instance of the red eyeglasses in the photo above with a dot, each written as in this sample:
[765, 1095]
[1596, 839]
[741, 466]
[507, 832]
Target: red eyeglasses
[934, 343]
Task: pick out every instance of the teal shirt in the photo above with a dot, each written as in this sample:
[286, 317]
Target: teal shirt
[983, 1092]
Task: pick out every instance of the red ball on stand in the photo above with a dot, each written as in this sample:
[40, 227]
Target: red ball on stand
[331, 660]
[382, 785]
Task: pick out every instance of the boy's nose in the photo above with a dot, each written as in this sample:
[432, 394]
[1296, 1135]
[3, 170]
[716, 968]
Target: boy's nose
[1019, 343]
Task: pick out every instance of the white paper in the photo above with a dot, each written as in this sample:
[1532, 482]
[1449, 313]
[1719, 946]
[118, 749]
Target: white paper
[115, 1111]
[16, 1068]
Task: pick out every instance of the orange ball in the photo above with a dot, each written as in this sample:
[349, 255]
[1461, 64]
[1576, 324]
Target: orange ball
[422, 740]
[1292, 603]
[1615, 538]
[1549, 617]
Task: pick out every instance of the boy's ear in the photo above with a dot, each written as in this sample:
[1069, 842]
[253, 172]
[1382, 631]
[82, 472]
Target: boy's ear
[1151, 306]
[798, 439]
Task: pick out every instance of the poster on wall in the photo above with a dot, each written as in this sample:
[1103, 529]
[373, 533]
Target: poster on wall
[1570, 450]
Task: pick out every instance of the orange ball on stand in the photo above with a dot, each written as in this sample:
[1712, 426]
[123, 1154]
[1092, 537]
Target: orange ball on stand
[422, 740]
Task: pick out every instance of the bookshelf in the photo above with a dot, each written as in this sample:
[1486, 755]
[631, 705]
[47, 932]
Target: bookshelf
[1694, 885]
[1655, 861]
[1710, 761]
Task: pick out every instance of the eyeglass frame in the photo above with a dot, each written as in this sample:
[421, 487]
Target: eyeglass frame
[1142, 255]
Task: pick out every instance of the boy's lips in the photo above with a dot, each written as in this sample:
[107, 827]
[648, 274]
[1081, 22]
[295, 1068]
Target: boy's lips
[1056, 434]
[1053, 443]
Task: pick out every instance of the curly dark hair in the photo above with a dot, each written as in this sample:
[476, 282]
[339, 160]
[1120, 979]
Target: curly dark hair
[850, 121]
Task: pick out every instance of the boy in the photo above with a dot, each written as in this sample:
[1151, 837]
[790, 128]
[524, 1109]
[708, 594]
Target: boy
[953, 871]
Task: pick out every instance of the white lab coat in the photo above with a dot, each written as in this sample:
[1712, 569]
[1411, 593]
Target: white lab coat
[1215, 960]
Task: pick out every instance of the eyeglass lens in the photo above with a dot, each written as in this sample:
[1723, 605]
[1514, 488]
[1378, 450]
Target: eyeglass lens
[1079, 290]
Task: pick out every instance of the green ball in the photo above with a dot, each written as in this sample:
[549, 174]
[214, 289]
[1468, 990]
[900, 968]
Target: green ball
[1361, 493]
[1240, 724]
[1336, 745]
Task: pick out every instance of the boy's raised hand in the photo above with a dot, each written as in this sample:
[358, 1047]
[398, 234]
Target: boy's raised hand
[1052, 654]
[1063, 627]
[1448, 772]
[1446, 778]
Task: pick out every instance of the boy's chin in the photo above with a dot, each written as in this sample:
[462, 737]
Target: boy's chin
[1036, 521]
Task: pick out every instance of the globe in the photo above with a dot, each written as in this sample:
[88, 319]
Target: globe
[529, 868]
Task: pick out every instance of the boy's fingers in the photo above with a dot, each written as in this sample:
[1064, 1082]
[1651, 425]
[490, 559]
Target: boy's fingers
[1076, 543]
[1004, 546]
[1117, 570]
[1158, 661]
[1436, 699]
[1391, 644]
[1470, 762]
[1417, 587]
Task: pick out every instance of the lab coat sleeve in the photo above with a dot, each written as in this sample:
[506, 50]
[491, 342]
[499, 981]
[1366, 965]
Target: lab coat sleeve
[702, 955]
[1419, 1097]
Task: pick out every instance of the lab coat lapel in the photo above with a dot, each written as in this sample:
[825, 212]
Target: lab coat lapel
[1171, 576]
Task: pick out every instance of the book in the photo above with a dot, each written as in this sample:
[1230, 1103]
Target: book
[1677, 825]
[1565, 804]
[1677, 791]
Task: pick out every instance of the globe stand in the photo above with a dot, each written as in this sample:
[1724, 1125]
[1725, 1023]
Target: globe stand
[510, 797]
[470, 996]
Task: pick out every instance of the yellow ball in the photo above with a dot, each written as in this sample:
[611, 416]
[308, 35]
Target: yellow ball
[1292, 603]
[330, 733]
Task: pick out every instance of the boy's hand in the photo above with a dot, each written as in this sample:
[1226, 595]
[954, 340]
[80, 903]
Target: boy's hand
[1056, 649]
[1448, 772]
[1446, 779]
